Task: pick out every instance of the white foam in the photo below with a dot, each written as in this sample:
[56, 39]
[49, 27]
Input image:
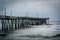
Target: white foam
[43, 30]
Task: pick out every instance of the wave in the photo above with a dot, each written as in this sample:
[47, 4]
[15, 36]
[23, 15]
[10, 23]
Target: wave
[38, 35]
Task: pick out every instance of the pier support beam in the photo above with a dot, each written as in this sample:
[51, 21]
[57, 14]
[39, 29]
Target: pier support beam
[18, 24]
[15, 24]
[11, 24]
[2, 21]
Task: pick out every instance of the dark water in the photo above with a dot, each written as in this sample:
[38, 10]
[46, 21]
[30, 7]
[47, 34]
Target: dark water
[27, 34]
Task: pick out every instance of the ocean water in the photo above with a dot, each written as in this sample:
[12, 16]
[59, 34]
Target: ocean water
[32, 33]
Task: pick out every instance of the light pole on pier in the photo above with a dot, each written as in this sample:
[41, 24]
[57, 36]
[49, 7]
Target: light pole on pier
[11, 13]
[5, 12]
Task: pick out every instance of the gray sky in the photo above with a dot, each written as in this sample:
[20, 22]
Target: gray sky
[45, 8]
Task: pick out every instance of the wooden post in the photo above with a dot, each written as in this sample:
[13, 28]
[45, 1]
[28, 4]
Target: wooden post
[18, 24]
[8, 24]
[5, 26]
[11, 24]
[39, 22]
[15, 24]
[2, 25]
[35, 22]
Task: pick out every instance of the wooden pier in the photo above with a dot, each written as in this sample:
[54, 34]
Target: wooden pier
[12, 22]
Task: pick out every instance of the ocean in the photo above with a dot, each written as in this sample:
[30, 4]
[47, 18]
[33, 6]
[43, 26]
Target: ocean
[32, 33]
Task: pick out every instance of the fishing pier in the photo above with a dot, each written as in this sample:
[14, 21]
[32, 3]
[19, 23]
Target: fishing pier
[12, 22]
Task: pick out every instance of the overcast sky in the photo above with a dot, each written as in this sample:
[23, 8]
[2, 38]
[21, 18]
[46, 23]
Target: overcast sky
[44, 8]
